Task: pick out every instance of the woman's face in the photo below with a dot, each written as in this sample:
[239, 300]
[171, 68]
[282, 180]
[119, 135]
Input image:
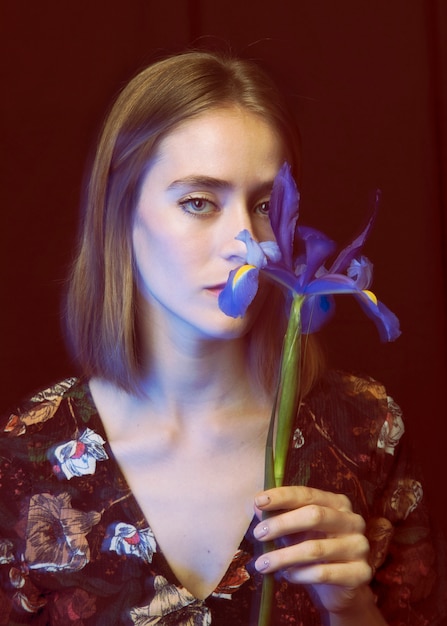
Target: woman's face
[210, 178]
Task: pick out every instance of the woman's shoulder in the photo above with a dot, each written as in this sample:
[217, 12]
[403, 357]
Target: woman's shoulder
[350, 386]
[351, 441]
[42, 409]
[50, 435]
[346, 403]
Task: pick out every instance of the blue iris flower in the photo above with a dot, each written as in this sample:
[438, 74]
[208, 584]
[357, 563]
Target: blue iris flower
[308, 272]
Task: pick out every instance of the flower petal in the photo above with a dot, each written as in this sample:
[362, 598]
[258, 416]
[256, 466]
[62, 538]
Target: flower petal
[361, 271]
[387, 323]
[316, 311]
[331, 284]
[284, 210]
[281, 276]
[317, 248]
[240, 290]
[255, 253]
[271, 250]
[385, 320]
[347, 254]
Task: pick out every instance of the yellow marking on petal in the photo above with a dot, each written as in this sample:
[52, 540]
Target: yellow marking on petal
[242, 271]
[370, 295]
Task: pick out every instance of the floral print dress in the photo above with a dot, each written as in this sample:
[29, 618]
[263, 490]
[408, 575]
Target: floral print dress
[76, 550]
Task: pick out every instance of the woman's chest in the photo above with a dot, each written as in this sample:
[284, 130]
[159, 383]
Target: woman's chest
[198, 504]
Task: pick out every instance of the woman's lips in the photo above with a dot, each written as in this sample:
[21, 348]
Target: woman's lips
[215, 289]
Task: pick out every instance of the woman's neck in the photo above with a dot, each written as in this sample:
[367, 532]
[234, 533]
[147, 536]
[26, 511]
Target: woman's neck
[207, 391]
[199, 378]
[186, 372]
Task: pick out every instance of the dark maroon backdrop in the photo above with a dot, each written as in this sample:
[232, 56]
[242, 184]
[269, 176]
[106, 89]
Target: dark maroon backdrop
[368, 81]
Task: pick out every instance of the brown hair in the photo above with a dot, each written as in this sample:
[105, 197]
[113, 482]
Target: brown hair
[101, 305]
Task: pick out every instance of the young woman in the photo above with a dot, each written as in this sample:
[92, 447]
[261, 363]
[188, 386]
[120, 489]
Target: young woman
[133, 494]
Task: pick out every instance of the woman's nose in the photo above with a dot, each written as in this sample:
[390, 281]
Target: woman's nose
[235, 223]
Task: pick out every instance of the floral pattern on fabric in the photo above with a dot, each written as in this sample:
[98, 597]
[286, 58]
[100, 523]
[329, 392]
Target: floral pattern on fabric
[72, 607]
[126, 539]
[393, 428]
[171, 605]
[236, 575]
[78, 457]
[56, 534]
[76, 549]
[44, 406]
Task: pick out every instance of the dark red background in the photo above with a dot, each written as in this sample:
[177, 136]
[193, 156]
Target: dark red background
[368, 81]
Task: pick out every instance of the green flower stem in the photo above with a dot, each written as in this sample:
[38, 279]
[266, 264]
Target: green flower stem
[289, 388]
[268, 581]
[285, 406]
[265, 611]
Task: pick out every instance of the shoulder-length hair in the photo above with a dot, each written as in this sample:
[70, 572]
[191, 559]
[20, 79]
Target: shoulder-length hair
[101, 313]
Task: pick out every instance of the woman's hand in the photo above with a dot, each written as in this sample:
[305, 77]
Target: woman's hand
[322, 545]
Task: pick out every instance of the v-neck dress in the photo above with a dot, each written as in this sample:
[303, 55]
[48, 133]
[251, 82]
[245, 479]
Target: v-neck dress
[76, 549]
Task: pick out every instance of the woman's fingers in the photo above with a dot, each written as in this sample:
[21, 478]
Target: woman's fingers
[310, 554]
[325, 541]
[295, 497]
[320, 542]
[298, 509]
[312, 517]
[346, 575]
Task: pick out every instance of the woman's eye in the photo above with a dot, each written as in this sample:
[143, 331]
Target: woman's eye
[263, 208]
[198, 206]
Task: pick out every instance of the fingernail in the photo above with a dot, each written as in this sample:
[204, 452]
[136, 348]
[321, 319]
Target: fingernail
[262, 564]
[262, 500]
[261, 531]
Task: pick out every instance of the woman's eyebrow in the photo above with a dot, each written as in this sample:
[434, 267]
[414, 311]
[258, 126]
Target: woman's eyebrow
[213, 183]
[199, 181]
